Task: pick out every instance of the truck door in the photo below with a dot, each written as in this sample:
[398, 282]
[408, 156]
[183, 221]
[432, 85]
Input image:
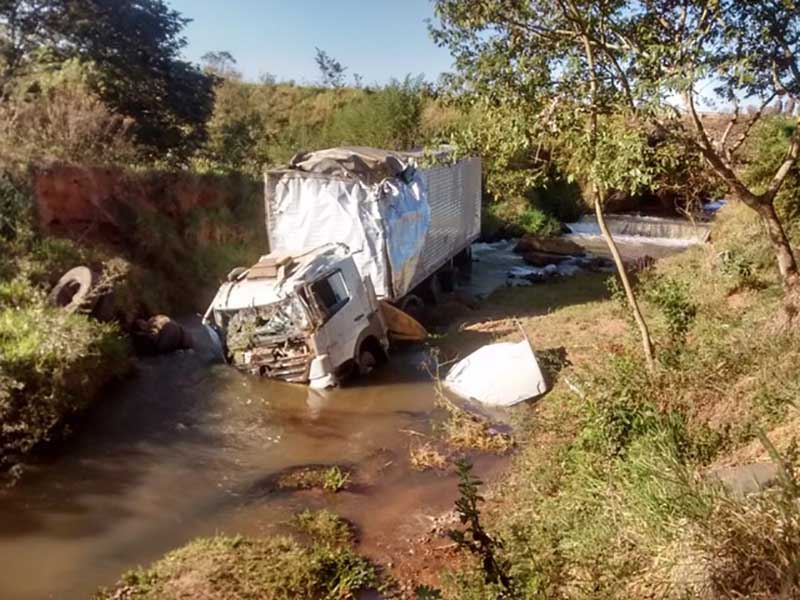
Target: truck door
[339, 297]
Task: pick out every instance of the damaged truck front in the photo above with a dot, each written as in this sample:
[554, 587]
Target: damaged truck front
[303, 317]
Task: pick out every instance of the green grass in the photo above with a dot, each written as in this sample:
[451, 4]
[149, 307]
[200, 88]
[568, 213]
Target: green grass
[52, 366]
[234, 568]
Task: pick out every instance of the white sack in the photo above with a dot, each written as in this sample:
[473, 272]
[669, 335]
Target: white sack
[498, 375]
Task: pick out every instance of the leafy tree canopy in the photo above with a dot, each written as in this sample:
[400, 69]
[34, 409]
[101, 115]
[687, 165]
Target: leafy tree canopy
[134, 46]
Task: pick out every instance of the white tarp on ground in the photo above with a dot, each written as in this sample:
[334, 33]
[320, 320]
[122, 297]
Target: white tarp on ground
[501, 374]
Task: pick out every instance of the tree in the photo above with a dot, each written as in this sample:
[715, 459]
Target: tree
[134, 47]
[726, 54]
[331, 69]
[220, 64]
[539, 59]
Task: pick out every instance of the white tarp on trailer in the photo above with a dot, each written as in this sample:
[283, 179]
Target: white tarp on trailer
[501, 374]
[401, 223]
[379, 223]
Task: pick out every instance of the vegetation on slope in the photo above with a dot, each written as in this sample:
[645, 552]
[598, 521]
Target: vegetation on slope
[611, 494]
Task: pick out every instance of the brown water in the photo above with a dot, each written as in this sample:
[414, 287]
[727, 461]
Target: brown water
[187, 447]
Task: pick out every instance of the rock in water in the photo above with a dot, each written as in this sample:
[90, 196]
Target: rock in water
[552, 245]
[160, 335]
[542, 259]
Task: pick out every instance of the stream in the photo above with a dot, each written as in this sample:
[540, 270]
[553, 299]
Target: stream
[187, 447]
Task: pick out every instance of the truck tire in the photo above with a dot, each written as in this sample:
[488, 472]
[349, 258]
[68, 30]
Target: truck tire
[447, 279]
[434, 291]
[367, 361]
[463, 262]
[413, 305]
[73, 290]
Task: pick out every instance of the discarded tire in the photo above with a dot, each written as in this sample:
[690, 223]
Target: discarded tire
[74, 290]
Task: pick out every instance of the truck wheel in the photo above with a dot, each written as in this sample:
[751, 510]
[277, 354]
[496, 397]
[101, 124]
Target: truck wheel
[463, 262]
[447, 279]
[366, 361]
[434, 290]
[412, 305]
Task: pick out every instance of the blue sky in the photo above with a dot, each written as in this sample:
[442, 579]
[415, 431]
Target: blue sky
[378, 39]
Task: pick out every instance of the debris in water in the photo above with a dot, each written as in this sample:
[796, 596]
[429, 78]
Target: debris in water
[501, 374]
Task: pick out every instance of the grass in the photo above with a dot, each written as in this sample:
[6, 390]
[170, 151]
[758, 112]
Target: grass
[607, 496]
[331, 479]
[235, 568]
[324, 527]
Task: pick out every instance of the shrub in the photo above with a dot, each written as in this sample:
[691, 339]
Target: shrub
[56, 117]
[52, 364]
[672, 298]
[385, 118]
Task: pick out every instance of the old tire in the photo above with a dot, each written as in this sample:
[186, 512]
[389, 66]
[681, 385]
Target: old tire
[73, 290]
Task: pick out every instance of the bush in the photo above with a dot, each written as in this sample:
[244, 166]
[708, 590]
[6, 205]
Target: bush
[385, 118]
[52, 366]
[672, 298]
[56, 117]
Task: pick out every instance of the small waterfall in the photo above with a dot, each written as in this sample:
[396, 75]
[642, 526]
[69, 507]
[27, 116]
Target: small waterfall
[666, 231]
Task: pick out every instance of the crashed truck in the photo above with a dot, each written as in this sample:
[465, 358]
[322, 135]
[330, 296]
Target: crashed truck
[357, 236]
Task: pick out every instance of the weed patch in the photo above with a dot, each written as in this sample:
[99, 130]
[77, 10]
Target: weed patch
[235, 568]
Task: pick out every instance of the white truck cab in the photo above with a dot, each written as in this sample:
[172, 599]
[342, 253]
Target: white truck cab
[305, 317]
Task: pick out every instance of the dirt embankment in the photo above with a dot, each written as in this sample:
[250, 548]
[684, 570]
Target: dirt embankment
[185, 230]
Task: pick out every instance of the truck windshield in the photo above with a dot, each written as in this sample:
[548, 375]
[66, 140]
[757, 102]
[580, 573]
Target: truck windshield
[330, 293]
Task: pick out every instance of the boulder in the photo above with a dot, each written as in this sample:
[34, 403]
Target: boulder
[160, 335]
[542, 259]
[552, 245]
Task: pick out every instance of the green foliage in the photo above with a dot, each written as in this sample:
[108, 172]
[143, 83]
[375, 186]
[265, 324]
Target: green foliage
[335, 479]
[324, 527]
[385, 118]
[764, 153]
[136, 51]
[52, 365]
[237, 568]
[474, 537]
[672, 298]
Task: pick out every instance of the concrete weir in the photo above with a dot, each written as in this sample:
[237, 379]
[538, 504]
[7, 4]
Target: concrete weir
[679, 230]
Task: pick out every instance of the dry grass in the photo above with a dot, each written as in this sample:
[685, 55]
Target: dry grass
[426, 456]
[464, 429]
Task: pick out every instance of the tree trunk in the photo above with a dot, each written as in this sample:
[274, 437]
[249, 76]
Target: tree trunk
[787, 265]
[647, 342]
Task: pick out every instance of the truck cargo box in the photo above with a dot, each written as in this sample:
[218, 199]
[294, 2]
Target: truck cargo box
[402, 223]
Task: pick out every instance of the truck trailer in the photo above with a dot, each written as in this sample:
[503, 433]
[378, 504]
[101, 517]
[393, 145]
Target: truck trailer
[349, 229]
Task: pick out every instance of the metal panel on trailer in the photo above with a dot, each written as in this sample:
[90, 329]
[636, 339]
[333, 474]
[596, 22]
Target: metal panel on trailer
[454, 195]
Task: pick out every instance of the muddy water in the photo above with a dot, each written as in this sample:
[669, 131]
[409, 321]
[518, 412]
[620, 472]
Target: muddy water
[187, 448]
